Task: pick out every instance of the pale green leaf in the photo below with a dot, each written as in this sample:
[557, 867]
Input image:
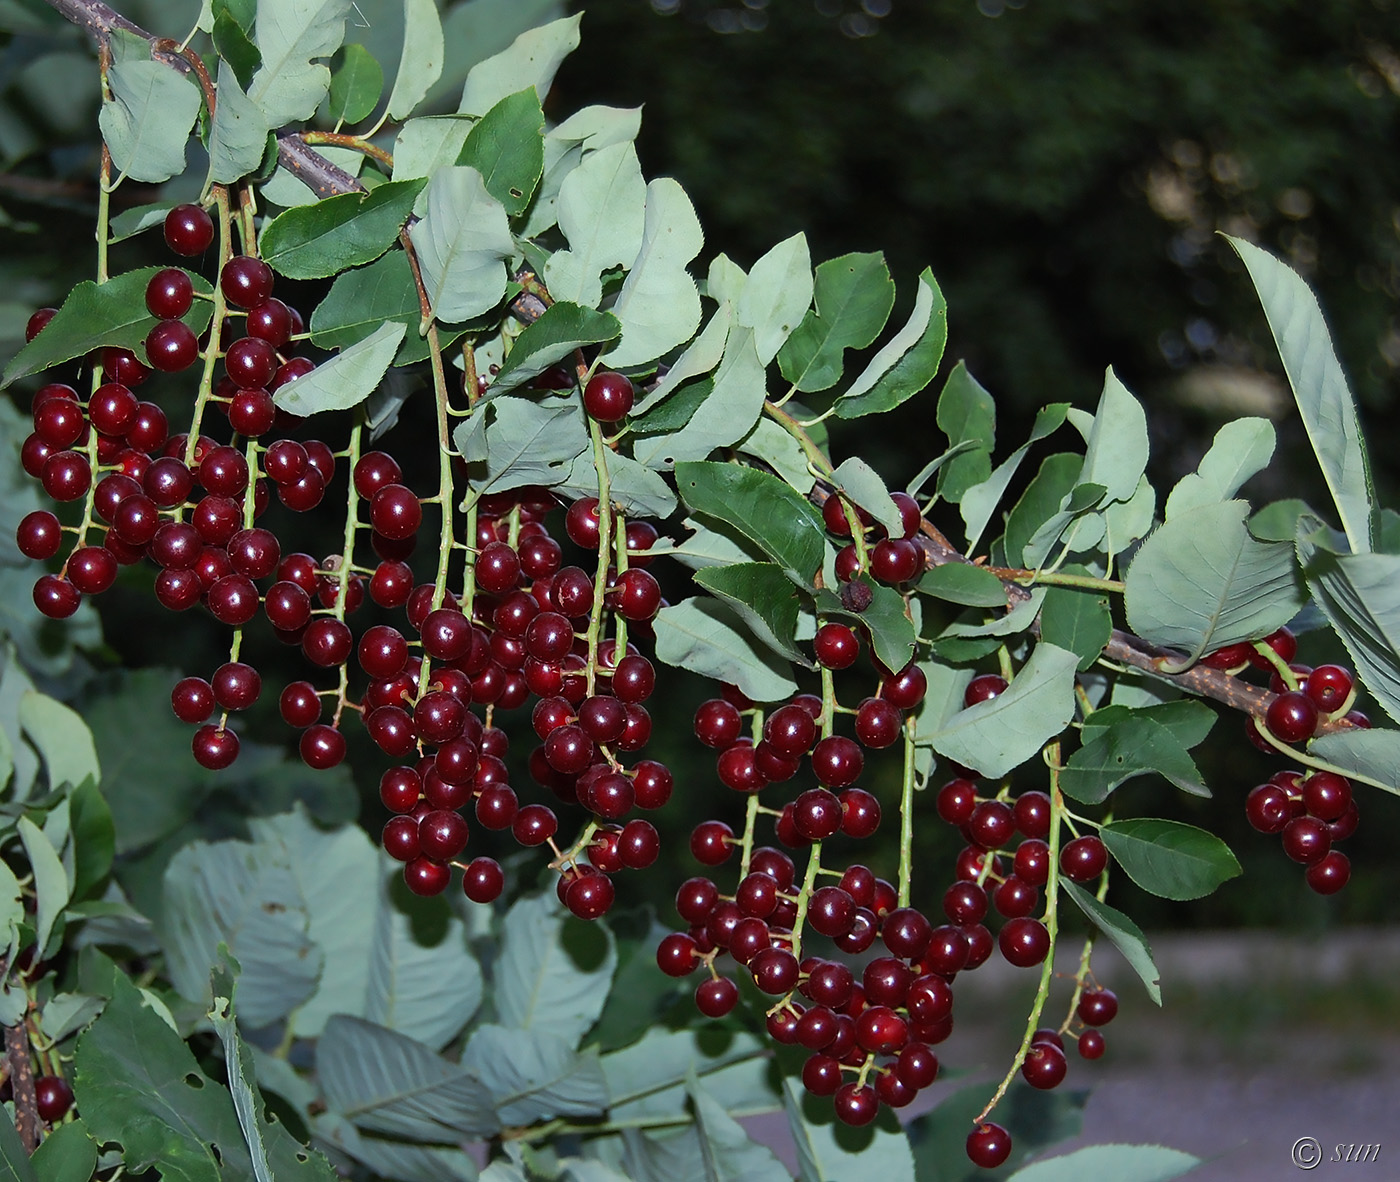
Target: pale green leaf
[699, 358]
[637, 489]
[1115, 453]
[781, 452]
[863, 485]
[290, 34]
[1369, 755]
[532, 58]
[421, 60]
[563, 328]
[602, 213]
[827, 1150]
[1122, 1163]
[348, 378]
[777, 295]
[51, 883]
[428, 143]
[147, 121]
[237, 133]
[726, 1151]
[462, 244]
[506, 147]
[704, 636]
[980, 500]
[527, 441]
[907, 362]
[61, 737]
[1241, 448]
[535, 1074]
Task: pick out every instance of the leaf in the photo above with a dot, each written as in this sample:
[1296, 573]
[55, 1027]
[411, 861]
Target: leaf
[334, 234]
[535, 1074]
[761, 507]
[274, 1152]
[1320, 388]
[638, 490]
[50, 880]
[854, 295]
[67, 1154]
[602, 213]
[777, 294]
[780, 451]
[421, 59]
[967, 415]
[1170, 859]
[1241, 449]
[1079, 620]
[532, 57]
[390, 1083]
[563, 328]
[704, 636]
[506, 147]
[1201, 582]
[726, 1150]
[131, 222]
[962, 582]
[347, 379]
[62, 739]
[462, 244]
[862, 484]
[996, 735]
[1115, 453]
[528, 441]
[244, 895]
[148, 119]
[290, 34]
[700, 357]
[1122, 1163]
[648, 1077]
[1369, 755]
[1137, 746]
[908, 363]
[980, 500]
[1357, 594]
[1187, 720]
[138, 1085]
[828, 1150]
[355, 87]
[111, 313]
[427, 144]
[231, 42]
[423, 982]
[362, 299]
[237, 133]
[1125, 935]
[892, 632]
[1042, 502]
[763, 597]
[554, 970]
[659, 306]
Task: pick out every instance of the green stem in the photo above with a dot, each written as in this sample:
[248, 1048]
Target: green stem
[814, 865]
[216, 326]
[814, 454]
[906, 818]
[605, 538]
[1031, 578]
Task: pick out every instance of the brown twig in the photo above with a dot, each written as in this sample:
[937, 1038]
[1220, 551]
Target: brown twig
[22, 1086]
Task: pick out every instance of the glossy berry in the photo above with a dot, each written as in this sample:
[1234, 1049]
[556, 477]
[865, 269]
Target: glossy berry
[1330, 874]
[837, 761]
[169, 293]
[246, 281]
[1292, 717]
[856, 1104]
[214, 747]
[983, 688]
[711, 842]
[1326, 795]
[836, 645]
[988, 1145]
[53, 1096]
[1024, 942]
[608, 396]
[172, 346]
[1329, 686]
[483, 880]
[1097, 1007]
[716, 997]
[1045, 1065]
[1083, 859]
[1268, 808]
[39, 535]
[1306, 840]
[1091, 1044]
[188, 230]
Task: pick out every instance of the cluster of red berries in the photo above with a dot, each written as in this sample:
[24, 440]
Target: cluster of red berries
[889, 559]
[1312, 811]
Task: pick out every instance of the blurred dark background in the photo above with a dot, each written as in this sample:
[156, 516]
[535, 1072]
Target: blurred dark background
[1063, 169]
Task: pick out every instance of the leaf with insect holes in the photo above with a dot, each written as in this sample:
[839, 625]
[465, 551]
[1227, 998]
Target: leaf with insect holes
[462, 244]
[506, 148]
[290, 34]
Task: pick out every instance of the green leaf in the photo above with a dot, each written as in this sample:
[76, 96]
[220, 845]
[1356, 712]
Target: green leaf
[908, 363]
[999, 734]
[1122, 1163]
[1125, 935]
[764, 598]
[237, 133]
[1115, 453]
[532, 57]
[563, 328]
[1278, 520]
[1201, 582]
[50, 880]
[290, 35]
[131, 222]
[659, 306]
[348, 378]
[827, 1149]
[554, 970]
[390, 1083]
[1079, 620]
[462, 244]
[1137, 746]
[892, 632]
[1357, 594]
[67, 1154]
[706, 637]
[637, 489]
[527, 441]
[355, 86]
[362, 299]
[421, 59]
[1040, 503]
[761, 507]
[1369, 755]
[980, 500]
[602, 213]
[94, 837]
[315, 241]
[777, 294]
[961, 582]
[138, 1085]
[427, 144]
[781, 452]
[246, 896]
[854, 295]
[274, 1152]
[698, 360]
[1241, 449]
[648, 1077]
[233, 45]
[62, 739]
[1170, 859]
[111, 313]
[1319, 387]
[535, 1075]
[862, 484]
[726, 1151]
[148, 119]
[506, 147]
[1188, 720]
[966, 414]
[12, 914]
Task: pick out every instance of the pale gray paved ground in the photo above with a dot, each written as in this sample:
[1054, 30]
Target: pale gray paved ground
[1261, 1041]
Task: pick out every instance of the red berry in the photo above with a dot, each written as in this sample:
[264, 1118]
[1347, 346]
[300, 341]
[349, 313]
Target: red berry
[988, 1145]
[608, 396]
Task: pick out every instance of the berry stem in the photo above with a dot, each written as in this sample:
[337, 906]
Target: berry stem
[1032, 578]
[1319, 765]
[605, 540]
[746, 842]
[1051, 921]
[216, 328]
[906, 817]
[809, 881]
[357, 143]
